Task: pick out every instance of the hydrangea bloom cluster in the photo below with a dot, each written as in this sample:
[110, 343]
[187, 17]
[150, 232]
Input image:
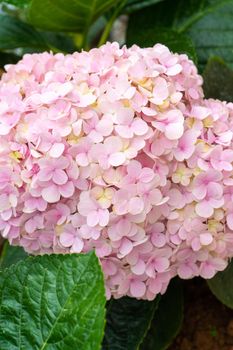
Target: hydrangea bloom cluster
[116, 150]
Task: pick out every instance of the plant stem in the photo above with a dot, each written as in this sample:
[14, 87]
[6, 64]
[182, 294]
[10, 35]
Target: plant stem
[107, 30]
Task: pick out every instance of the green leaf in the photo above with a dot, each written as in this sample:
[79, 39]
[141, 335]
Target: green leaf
[52, 302]
[95, 31]
[218, 80]
[213, 34]
[17, 3]
[176, 42]
[221, 285]
[15, 34]
[208, 23]
[134, 5]
[59, 42]
[167, 320]
[11, 255]
[128, 320]
[68, 15]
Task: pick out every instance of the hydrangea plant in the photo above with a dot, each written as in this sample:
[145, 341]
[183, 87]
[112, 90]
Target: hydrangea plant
[115, 150]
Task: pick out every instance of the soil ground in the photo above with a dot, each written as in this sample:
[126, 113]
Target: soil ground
[208, 325]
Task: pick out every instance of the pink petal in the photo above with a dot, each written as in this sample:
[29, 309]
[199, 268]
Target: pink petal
[136, 205]
[104, 250]
[155, 197]
[158, 239]
[77, 127]
[124, 131]
[66, 239]
[161, 264]
[139, 127]
[117, 159]
[3, 107]
[45, 174]
[60, 177]
[51, 194]
[56, 150]
[137, 289]
[67, 190]
[206, 238]
[103, 217]
[174, 131]
[195, 244]
[199, 191]
[204, 210]
[30, 226]
[149, 111]
[82, 159]
[139, 268]
[146, 175]
[185, 272]
[230, 221]
[4, 129]
[207, 271]
[125, 247]
[160, 92]
[174, 70]
[200, 112]
[124, 225]
[77, 245]
[93, 218]
[104, 127]
[86, 100]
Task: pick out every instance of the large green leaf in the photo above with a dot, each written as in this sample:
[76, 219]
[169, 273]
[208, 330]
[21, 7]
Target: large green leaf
[167, 320]
[222, 285]
[68, 15]
[52, 302]
[209, 23]
[213, 34]
[128, 320]
[15, 34]
[218, 80]
[134, 5]
[11, 255]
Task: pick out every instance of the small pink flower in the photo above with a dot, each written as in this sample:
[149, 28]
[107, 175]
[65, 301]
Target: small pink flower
[203, 180]
[92, 211]
[52, 193]
[221, 159]
[128, 126]
[134, 285]
[58, 215]
[54, 170]
[208, 268]
[213, 199]
[70, 238]
[171, 123]
[186, 145]
[34, 223]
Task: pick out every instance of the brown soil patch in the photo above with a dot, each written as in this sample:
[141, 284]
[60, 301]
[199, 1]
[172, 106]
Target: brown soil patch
[208, 325]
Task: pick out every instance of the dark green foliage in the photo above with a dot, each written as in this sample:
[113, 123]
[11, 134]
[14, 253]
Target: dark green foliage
[167, 320]
[128, 320]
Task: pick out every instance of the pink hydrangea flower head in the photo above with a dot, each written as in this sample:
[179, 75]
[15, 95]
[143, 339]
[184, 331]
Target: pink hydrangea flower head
[116, 150]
